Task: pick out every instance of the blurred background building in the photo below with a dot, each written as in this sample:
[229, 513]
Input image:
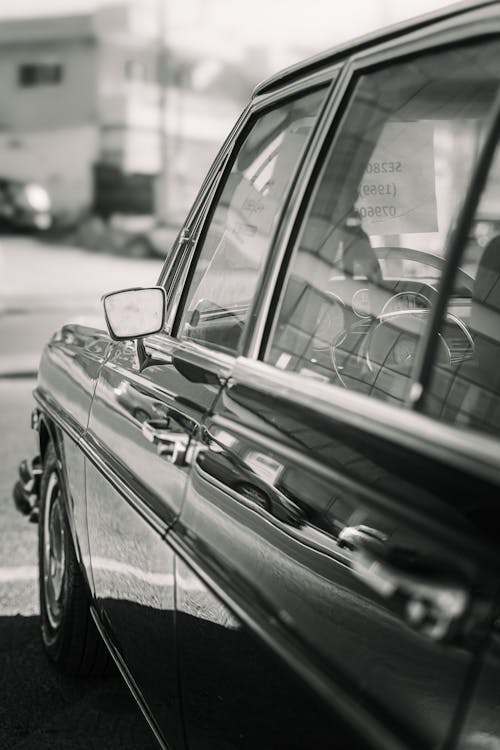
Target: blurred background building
[119, 108]
[90, 98]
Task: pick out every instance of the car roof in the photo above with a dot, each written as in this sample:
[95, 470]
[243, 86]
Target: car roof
[335, 54]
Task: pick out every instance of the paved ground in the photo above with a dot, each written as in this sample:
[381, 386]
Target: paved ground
[41, 287]
[40, 709]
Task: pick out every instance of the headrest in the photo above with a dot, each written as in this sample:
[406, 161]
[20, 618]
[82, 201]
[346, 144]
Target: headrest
[486, 288]
[485, 315]
[485, 312]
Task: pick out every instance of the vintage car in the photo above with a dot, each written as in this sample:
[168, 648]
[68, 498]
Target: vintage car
[270, 490]
[24, 205]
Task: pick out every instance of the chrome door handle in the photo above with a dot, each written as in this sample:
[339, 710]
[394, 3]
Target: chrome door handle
[171, 445]
[433, 604]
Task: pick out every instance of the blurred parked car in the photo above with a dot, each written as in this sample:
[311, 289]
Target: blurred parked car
[132, 236]
[24, 205]
[270, 490]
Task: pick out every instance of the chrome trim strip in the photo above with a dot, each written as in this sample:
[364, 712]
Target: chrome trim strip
[318, 540]
[136, 377]
[111, 475]
[197, 206]
[58, 415]
[274, 634]
[127, 677]
[104, 467]
[170, 346]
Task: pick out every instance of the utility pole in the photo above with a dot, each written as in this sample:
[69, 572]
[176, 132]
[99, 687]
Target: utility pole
[163, 77]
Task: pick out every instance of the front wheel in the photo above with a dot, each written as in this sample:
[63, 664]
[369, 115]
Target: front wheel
[69, 635]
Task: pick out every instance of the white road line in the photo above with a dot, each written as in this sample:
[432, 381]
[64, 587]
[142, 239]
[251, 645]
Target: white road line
[21, 573]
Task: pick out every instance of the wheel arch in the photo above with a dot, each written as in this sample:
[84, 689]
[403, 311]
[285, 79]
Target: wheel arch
[49, 432]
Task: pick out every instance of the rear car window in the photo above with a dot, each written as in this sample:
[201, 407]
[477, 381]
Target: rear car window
[364, 273]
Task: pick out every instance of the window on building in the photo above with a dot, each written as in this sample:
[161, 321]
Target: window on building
[40, 74]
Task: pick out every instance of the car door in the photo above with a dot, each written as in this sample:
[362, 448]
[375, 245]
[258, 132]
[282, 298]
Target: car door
[139, 430]
[145, 425]
[466, 395]
[322, 526]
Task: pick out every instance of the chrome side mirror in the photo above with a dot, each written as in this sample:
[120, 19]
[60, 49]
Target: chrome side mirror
[134, 313]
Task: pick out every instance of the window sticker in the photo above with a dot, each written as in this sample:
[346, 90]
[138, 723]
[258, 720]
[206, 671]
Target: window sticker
[397, 193]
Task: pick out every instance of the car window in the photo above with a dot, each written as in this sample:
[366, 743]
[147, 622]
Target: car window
[241, 226]
[465, 382]
[364, 273]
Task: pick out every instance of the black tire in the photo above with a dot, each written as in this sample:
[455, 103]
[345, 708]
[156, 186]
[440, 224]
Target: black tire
[69, 635]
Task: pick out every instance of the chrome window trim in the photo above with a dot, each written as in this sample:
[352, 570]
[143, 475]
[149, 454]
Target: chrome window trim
[197, 218]
[187, 249]
[167, 345]
[289, 218]
[204, 191]
[290, 90]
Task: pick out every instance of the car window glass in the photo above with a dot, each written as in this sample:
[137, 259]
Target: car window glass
[364, 273]
[465, 383]
[241, 227]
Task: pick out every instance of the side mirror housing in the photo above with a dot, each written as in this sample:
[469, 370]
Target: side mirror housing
[134, 313]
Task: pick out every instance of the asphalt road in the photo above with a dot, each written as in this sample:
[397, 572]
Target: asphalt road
[43, 286]
[40, 287]
[39, 708]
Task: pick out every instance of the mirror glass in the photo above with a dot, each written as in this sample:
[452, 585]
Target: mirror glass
[132, 313]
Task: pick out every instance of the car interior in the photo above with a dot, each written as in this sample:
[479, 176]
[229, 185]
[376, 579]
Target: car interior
[366, 270]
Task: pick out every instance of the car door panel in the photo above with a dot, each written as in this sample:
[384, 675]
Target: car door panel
[296, 537]
[133, 570]
[236, 691]
[140, 425]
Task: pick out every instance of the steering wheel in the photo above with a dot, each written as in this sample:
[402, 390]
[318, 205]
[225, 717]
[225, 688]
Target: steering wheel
[426, 258]
[387, 340]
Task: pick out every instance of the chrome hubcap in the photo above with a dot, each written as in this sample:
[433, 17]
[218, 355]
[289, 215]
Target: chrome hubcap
[54, 551]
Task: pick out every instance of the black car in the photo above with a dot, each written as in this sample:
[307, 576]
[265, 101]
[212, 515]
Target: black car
[271, 491]
[24, 205]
